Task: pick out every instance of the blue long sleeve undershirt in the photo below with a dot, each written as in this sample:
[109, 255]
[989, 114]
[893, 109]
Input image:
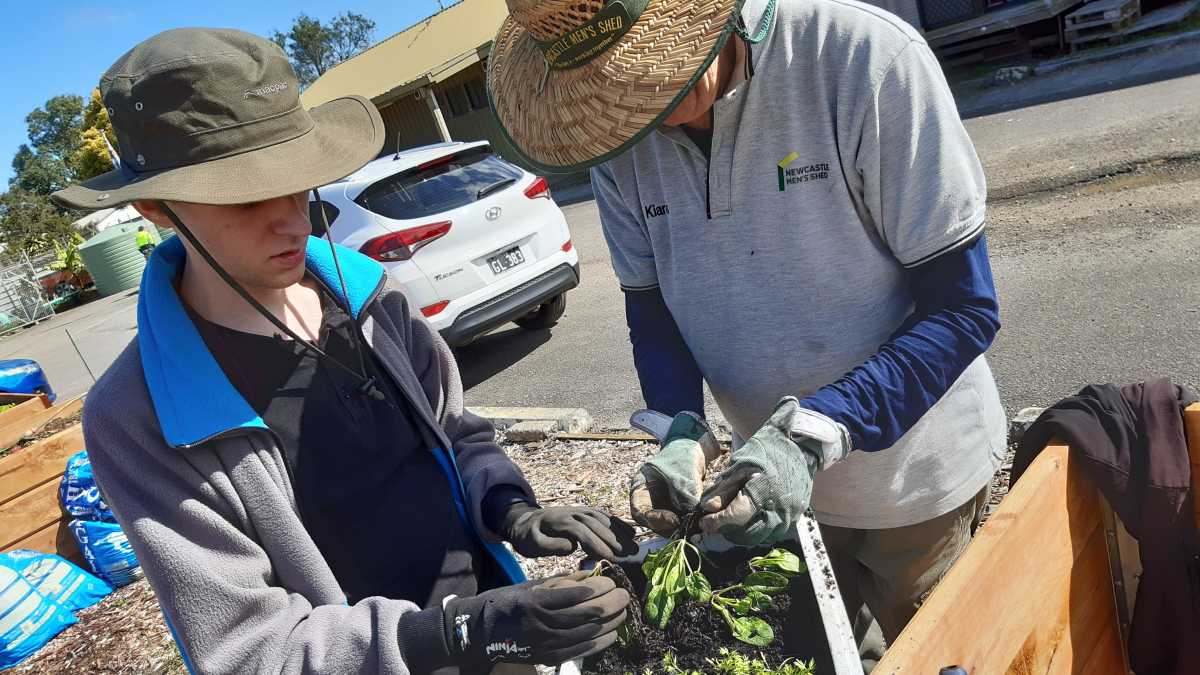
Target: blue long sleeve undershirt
[955, 319]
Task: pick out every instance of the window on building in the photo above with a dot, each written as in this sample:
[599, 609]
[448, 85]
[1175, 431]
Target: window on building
[454, 101]
[476, 93]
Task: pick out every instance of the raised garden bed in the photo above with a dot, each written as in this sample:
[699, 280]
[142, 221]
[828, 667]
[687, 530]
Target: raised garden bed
[699, 639]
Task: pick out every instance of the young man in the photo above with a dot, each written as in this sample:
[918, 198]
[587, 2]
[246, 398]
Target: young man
[284, 442]
[795, 214]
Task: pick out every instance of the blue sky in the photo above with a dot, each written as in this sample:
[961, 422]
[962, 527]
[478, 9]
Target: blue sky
[56, 47]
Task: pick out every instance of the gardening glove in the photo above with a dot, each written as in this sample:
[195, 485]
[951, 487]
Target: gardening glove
[668, 485]
[548, 622]
[758, 499]
[537, 532]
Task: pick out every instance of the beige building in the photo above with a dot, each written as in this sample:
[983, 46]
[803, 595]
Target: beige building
[428, 80]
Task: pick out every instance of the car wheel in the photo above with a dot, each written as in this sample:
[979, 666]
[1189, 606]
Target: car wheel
[546, 315]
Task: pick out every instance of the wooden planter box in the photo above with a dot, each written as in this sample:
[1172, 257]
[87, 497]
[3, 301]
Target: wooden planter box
[28, 416]
[30, 513]
[1043, 586]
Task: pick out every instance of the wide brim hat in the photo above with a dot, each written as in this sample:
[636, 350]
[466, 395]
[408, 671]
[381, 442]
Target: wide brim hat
[213, 116]
[574, 83]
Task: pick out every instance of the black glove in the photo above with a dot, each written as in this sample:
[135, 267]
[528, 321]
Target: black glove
[536, 532]
[546, 622]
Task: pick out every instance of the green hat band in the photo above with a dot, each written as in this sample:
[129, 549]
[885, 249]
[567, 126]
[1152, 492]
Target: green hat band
[581, 45]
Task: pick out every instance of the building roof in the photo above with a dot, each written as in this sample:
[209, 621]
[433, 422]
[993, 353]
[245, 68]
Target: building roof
[429, 52]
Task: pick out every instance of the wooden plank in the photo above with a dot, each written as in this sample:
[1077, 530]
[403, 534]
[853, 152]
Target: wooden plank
[32, 511]
[1006, 606]
[53, 538]
[1011, 15]
[1191, 425]
[11, 433]
[616, 436]
[24, 412]
[46, 459]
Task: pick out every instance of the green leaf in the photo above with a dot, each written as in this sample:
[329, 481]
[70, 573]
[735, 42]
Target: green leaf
[758, 600]
[780, 560]
[698, 587]
[752, 630]
[767, 582]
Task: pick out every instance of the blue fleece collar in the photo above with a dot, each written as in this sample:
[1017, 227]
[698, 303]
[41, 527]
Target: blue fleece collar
[193, 398]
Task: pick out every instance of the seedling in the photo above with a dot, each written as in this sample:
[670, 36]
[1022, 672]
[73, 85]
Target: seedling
[769, 575]
[733, 663]
[671, 578]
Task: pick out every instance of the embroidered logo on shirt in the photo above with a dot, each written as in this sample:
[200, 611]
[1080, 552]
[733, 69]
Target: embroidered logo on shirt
[795, 175]
[656, 210]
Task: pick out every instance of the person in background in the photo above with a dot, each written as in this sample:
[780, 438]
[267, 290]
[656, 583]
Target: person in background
[145, 243]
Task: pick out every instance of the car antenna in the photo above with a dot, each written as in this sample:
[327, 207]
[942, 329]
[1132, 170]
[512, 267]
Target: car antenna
[397, 147]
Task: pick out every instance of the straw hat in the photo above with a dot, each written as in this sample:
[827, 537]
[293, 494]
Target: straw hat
[213, 116]
[576, 82]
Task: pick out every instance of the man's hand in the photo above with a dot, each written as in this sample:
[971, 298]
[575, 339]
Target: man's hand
[669, 484]
[768, 484]
[537, 532]
[547, 622]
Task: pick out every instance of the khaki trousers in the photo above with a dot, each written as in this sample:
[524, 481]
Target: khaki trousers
[885, 575]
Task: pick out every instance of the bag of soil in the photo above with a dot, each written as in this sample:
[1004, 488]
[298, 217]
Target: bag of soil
[27, 619]
[79, 494]
[107, 551]
[58, 579]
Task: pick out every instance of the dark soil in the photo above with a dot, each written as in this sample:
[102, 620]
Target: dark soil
[696, 633]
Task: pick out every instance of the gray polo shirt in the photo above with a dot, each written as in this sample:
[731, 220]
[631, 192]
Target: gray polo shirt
[838, 165]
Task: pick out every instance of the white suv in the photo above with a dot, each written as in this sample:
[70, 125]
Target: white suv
[475, 241]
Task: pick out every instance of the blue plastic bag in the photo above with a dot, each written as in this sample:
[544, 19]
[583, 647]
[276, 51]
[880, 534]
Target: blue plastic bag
[23, 376]
[58, 579]
[27, 619]
[107, 551]
[78, 492]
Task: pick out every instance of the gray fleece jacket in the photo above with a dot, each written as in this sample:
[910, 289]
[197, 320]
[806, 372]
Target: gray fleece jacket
[199, 484]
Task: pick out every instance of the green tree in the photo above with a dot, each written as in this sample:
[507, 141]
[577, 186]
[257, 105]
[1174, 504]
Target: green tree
[314, 47]
[30, 222]
[54, 128]
[91, 157]
[44, 164]
[40, 173]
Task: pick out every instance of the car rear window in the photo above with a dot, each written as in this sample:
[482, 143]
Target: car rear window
[439, 185]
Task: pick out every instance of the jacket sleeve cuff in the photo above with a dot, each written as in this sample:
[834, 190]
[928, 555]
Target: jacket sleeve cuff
[830, 438]
[498, 501]
[423, 641]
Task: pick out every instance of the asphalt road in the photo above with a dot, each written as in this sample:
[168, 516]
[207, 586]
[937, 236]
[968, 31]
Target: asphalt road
[1094, 232]
[1095, 240]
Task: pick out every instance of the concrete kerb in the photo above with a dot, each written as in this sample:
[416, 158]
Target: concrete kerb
[525, 425]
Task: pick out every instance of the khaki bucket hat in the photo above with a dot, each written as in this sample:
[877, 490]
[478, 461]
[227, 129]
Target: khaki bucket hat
[576, 82]
[213, 116]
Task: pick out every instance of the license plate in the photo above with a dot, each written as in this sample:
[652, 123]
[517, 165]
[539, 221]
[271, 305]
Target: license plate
[506, 261]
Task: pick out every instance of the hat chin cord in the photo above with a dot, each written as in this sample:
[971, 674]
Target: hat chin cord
[367, 385]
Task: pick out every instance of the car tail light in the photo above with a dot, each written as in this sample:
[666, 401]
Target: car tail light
[435, 308]
[402, 245]
[566, 248]
[435, 162]
[539, 188]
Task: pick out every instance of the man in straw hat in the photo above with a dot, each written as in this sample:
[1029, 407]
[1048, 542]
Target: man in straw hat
[795, 214]
[284, 442]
